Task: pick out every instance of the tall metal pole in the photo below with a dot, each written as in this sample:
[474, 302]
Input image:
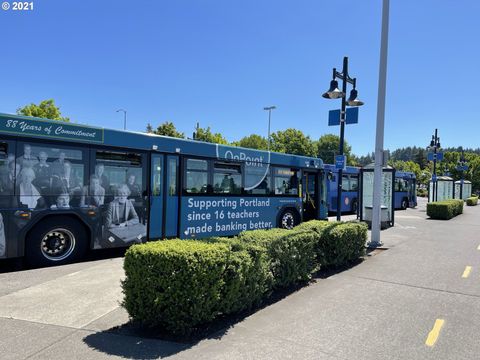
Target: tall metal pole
[435, 189]
[382, 85]
[342, 135]
[462, 164]
[124, 118]
[269, 109]
[269, 118]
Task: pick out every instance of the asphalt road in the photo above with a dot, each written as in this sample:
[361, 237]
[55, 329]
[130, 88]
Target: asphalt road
[418, 299]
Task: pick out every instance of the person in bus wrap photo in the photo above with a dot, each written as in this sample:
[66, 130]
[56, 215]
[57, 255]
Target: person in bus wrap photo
[94, 194]
[28, 193]
[121, 212]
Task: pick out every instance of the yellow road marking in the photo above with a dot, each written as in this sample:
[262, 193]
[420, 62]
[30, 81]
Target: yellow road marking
[433, 335]
[466, 272]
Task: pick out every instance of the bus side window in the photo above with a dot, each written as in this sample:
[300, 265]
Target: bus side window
[285, 181]
[227, 178]
[257, 180]
[353, 183]
[196, 176]
[345, 183]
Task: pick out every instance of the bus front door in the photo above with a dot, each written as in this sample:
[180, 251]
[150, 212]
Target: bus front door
[310, 196]
[156, 198]
[171, 196]
[164, 197]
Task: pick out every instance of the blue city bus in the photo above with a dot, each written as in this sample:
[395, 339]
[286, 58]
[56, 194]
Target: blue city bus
[67, 188]
[405, 190]
[349, 200]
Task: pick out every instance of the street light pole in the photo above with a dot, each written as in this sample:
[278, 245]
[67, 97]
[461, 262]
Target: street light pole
[269, 109]
[124, 118]
[380, 129]
[335, 93]
[435, 145]
[462, 169]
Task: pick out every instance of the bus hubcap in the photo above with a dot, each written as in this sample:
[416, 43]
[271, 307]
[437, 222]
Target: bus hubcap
[288, 221]
[57, 244]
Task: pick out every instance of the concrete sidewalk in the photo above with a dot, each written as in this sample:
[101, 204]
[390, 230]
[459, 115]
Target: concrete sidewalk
[383, 308]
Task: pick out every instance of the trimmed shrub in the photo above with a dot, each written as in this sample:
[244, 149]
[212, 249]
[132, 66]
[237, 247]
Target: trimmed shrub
[247, 276]
[291, 254]
[422, 192]
[174, 284]
[472, 201]
[337, 243]
[341, 243]
[313, 225]
[178, 285]
[445, 210]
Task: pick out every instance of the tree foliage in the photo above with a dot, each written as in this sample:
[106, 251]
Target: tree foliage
[293, 141]
[328, 146]
[46, 109]
[253, 141]
[205, 134]
[166, 129]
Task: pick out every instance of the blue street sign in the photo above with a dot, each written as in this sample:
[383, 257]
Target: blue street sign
[333, 117]
[351, 116]
[340, 162]
[435, 156]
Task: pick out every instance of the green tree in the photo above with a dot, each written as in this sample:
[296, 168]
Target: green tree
[409, 166]
[328, 146]
[46, 109]
[292, 141]
[253, 141]
[166, 129]
[205, 134]
[149, 129]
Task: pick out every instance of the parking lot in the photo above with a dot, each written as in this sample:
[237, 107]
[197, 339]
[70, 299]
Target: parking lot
[419, 298]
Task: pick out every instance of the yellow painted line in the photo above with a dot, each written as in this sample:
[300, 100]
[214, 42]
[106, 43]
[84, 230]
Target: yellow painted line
[466, 272]
[433, 335]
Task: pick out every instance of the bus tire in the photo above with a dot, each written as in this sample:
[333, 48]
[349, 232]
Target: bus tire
[55, 241]
[289, 219]
[404, 204]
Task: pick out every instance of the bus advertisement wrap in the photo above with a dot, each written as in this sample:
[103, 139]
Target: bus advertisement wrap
[207, 216]
[61, 130]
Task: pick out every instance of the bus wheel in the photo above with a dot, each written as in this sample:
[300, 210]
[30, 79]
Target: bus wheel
[404, 204]
[288, 220]
[55, 241]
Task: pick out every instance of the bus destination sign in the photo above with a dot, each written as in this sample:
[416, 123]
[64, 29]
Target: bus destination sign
[57, 130]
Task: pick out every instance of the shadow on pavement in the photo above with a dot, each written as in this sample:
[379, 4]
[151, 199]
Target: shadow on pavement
[19, 264]
[131, 347]
[134, 342]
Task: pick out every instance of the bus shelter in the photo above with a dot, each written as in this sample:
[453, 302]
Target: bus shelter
[444, 189]
[387, 196]
[466, 191]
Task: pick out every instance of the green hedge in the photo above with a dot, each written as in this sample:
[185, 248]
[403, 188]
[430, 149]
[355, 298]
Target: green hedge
[472, 201]
[178, 285]
[445, 210]
[290, 253]
[338, 243]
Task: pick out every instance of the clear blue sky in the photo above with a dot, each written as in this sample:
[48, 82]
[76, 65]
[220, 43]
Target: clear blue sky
[219, 62]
